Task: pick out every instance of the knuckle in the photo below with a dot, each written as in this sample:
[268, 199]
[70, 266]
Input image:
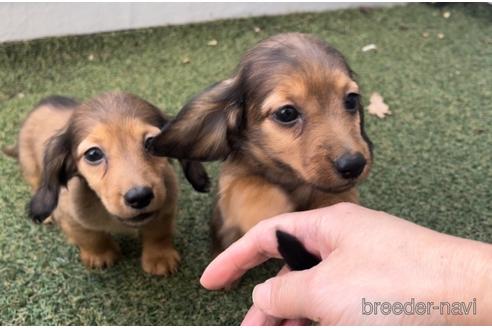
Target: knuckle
[344, 207]
[262, 225]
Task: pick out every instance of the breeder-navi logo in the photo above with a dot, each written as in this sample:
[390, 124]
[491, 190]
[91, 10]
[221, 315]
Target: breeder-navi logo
[418, 308]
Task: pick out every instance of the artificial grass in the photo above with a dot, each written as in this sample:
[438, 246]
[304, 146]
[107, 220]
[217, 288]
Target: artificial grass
[433, 162]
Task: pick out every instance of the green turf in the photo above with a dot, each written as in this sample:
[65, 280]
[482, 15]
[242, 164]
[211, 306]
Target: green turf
[433, 161]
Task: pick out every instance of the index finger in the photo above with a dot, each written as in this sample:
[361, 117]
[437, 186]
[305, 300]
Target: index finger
[260, 244]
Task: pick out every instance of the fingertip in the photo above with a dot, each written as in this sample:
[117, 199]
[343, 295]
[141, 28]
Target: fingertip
[217, 275]
[207, 279]
[261, 295]
[209, 283]
[203, 281]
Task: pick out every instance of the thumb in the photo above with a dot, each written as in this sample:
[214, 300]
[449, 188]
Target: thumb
[286, 296]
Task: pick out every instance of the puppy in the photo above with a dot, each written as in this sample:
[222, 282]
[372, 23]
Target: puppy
[90, 169]
[289, 127]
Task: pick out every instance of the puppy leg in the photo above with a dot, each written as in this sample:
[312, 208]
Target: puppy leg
[243, 203]
[159, 257]
[97, 249]
[222, 236]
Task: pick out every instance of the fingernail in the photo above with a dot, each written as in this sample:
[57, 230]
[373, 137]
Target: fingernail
[261, 295]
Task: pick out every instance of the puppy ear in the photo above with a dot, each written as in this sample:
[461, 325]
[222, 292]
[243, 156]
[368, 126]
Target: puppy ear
[206, 127]
[196, 175]
[58, 168]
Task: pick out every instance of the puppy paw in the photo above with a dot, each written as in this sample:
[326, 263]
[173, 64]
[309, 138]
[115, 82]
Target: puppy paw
[161, 263]
[103, 259]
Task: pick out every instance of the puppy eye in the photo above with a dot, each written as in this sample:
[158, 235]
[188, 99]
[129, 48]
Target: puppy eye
[94, 156]
[352, 102]
[286, 114]
[148, 143]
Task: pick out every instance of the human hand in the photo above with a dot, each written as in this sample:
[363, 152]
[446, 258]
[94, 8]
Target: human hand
[366, 255]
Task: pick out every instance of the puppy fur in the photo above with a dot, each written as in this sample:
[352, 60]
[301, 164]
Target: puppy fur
[83, 160]
[272, 166]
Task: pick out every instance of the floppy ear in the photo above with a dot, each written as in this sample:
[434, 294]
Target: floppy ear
[58, 168]
[196, 175]
[207, 126]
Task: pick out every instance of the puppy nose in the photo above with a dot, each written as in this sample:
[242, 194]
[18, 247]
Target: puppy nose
[350, 166]
[139, 197]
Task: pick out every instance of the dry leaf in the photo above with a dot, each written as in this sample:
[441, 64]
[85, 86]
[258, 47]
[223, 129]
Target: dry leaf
[446, 14]
[257, 29]
[377, 106]
[212, 43]
[369, 47]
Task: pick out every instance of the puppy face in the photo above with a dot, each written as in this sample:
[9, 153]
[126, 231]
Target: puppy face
[308, 125]
[292, 111]
[113, 160]
[106, 144]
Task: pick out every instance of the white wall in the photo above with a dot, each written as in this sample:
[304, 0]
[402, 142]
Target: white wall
[23, 21]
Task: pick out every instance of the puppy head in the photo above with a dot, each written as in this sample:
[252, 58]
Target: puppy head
[292, 110]
[106, 144]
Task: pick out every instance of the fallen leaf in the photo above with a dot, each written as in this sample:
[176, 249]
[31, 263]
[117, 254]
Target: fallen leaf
[257, 29]
[212, 43]
[446, 14]
[377, 106]
[369, 47]
[402, 27]
[440, 35]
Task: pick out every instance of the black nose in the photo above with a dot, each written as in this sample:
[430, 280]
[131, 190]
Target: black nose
[350, 166]
[139, 197]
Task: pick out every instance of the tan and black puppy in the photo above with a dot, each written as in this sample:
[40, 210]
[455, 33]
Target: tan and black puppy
[90, 170]
[288, 125]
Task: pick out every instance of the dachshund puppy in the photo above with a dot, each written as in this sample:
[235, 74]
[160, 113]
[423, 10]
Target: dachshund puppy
[289, 126]
[90, 170]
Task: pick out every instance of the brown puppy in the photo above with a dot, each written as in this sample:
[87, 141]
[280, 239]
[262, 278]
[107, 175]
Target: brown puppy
[97, 150]
[289, 125]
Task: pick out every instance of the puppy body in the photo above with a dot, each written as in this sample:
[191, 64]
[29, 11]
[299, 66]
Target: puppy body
[289, 127]
[246, 197]
[48, 117]
[87, 163]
